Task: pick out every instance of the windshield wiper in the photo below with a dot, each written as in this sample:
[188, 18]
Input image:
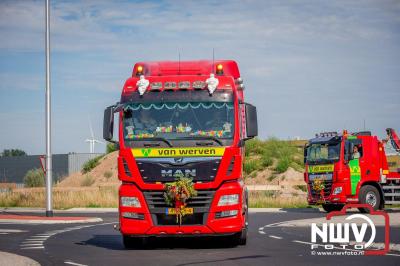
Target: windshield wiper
[205, 138]
[158, 139]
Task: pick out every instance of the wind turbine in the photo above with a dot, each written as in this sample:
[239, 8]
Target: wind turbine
[92, 141]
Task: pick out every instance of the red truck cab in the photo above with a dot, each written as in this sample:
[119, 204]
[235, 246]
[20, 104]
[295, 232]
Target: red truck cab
[349, 168]
[182, 119]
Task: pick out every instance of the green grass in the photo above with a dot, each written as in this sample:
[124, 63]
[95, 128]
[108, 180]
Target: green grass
[262, 154]
[92, 163]
[271, 199]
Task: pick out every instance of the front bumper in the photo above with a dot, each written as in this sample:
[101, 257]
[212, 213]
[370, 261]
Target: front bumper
[154, 222]
[328, 195]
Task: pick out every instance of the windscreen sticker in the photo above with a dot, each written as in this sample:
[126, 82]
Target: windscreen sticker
[177, 152]
[320, 168]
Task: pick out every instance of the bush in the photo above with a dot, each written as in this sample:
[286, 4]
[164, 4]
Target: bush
[107, 174]
[92, 163]
[34, 178]
[87, 181]
[266, 160]
[283, 164]
[254, 146]
[251, 165]
[111, 147]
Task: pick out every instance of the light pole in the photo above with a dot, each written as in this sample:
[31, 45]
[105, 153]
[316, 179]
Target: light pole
[49, 171]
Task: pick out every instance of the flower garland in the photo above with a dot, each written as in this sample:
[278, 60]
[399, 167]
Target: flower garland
[177, 193]
[319, 186]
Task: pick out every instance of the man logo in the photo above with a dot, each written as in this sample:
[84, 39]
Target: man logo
[178, 173]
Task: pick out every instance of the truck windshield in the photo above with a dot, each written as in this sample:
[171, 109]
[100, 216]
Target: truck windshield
[178, 120]
[323, 152]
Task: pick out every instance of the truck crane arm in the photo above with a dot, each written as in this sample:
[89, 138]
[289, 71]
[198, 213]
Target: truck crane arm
[394, 139]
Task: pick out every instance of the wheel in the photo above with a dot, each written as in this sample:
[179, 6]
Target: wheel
[133, 242]
[332, 207]
[237, 239]
[369, 195]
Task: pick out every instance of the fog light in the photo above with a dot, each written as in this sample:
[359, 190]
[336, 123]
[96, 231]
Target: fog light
[227, 200]
[130, 202]
[337, 190]
[133, 215]
[226, 214]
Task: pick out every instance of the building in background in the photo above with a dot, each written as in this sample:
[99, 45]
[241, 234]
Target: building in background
[13, 169]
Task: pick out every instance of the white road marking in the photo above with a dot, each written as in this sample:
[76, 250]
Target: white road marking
[37, 241]
[3, 233]
[38, 247]
[12, 231]
[276, 237]
[74, 263]
[31, 244]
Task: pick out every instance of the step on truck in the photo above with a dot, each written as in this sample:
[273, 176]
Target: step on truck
[182, 119]
[351, 168]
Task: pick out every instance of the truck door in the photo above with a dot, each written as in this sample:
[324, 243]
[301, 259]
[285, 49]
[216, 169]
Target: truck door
[355, 151]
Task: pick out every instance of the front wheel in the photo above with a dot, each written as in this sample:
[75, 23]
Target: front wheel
[332, 207]
[369, 195]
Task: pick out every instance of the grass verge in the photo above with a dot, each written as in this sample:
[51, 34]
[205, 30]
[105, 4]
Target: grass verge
[63, 198]
[107, 197]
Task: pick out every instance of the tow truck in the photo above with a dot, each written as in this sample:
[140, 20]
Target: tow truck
[182, 118]
[351, 168]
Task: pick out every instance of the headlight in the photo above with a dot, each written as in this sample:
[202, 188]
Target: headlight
[337, 190]
[228, 200]
[130, 202]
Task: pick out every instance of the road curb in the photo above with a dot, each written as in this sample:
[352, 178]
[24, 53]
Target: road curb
[23, 219]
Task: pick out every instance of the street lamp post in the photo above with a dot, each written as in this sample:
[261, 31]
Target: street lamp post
[49, 171]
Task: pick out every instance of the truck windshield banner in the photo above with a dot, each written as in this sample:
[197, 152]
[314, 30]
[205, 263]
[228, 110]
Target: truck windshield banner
[178, 152]
[320, 168]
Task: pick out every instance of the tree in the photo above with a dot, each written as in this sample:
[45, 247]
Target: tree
[13, 152]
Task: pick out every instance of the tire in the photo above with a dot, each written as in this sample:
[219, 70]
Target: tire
[237, 239]
[133, 242]
[369, 195]
[332, 207]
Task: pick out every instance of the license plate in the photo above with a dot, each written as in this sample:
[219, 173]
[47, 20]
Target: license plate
[172, 211]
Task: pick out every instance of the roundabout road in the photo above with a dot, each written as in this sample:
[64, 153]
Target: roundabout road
[99, 244]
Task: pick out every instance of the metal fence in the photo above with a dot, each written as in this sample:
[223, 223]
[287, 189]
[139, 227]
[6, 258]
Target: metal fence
[13, 169]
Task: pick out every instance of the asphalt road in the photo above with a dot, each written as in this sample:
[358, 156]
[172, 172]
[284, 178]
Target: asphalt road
[99, 244]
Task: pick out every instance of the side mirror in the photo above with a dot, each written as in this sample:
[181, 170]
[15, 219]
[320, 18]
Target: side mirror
[305, 153]
[251, 121]
[108, 123]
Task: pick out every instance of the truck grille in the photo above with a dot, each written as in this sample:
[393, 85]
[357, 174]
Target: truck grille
[327, 190]
[200, 204]
[166, 170]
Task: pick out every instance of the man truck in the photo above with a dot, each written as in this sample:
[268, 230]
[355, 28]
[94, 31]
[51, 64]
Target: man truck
[351, 168]
[182, 119]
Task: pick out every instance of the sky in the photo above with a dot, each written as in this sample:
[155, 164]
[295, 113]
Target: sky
[308, 66]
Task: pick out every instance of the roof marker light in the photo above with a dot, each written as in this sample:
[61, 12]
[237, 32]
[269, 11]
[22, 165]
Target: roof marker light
[139, 70]
[142, 85]
[212, 83]
[220, 69]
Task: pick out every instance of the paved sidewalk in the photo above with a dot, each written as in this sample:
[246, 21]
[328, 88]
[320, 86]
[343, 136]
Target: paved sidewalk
[7, 259]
